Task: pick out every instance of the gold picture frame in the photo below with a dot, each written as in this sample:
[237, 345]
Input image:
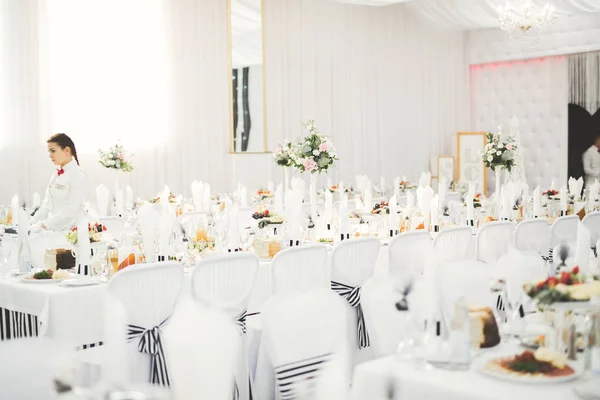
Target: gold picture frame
[469, 147]
[232, 149]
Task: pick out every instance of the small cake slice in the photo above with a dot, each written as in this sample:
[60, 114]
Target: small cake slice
[483, 327]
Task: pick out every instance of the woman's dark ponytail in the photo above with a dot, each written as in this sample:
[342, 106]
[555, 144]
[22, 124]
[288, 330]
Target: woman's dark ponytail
[62, 140]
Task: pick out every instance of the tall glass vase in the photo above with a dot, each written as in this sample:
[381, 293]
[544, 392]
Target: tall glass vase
[313, 197]
[286, 179]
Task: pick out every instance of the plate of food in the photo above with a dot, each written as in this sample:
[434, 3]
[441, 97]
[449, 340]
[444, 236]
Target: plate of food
[538, 367]
[47, 276]
[567, 290]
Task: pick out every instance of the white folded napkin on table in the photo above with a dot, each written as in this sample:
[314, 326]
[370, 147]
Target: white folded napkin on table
[470, 207]
[206, 198]
[525, 194]
[424, 199]
[572, 184]
[361, 183]
[279, 200]
[397, 186]
[410, 203]
[312, 191]
[234, 229]
[299, 187]
[102, 196]
[328, 211]
[24, 255]
[165, 224]
[382, 185]
[368, 206]
[564, 197]
[344, 218]
[119, 204]
[128, 197]
[553, 185]
[593, 195]
[394, 223]
[83, 246]
[197, 189]
[435, 210]
[425, 179]
[537, 202]
[36, 202]
[296, 219]
[148, 221]
[14, 208]
[442, 191]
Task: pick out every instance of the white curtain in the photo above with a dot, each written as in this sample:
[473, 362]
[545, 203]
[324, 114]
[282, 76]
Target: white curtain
[390, 89]
[584, 80]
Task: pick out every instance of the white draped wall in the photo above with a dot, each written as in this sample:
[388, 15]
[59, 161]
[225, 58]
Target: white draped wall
[387, 86]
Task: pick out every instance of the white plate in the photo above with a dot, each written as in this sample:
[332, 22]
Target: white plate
[481, 365]
[80, 281]
[29, 279]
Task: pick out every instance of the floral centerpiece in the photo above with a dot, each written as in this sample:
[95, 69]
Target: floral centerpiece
[568, 286]
[263, 194]
[115, 158]
[314, 153]
[381, 208]
[550, 193]
[94, 231]
[405, 185]
[499, 154]
[336, 188]
[172, 199]
[476, 201]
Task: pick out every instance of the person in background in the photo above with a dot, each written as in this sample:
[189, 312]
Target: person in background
[591, 162]
[67, 192]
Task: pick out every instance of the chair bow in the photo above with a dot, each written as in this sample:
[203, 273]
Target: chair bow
[297, 379]
[240, 321]
[151, 344]
[352, 295]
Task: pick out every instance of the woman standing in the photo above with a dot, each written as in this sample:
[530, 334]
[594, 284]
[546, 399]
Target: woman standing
[68, 189]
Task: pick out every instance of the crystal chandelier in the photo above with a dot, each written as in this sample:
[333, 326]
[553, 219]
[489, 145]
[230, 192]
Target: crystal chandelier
[525, 21]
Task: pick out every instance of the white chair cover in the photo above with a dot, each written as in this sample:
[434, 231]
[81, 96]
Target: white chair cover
[592, 222]
[410, 251]
[114, 225]
[493, 240]
[148, 293]
[564, 229]
[46, 240]
[385, 323]
[352, 263]
[29, 367]
[102, 199]
[299, 268]
[453, 244]
[226, 282]
[304, 331]
[533, 235]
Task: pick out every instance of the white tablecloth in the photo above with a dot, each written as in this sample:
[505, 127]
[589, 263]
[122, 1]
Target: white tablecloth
[413, 382]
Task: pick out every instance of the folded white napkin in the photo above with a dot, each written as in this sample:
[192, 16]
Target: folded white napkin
[312, 192]
[344, 218]
[234, 229]
[564, 195]
[593, 194]
[206, 198]
[279, 200]
[197, 193]
[148, 219]
[128, 197]
[425, 179]
[119, 205]
[442, 191]
[296, 216]
[328, 212]
[382, 184]
[24, 249]
[573, 188]
[37, 201]
[425, 204]
[14, 207]
[102, 196]
[525, 194]
[435, 210]
[397, 186]
[83, 243]
[553, 184]
[537, 202]
[299, 187]
[470, 207]
[368, 206]
[361, 183]
[394, 223]
[165, 224]
[410, 203]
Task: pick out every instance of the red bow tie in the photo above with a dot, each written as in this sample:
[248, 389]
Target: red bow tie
[60, 172]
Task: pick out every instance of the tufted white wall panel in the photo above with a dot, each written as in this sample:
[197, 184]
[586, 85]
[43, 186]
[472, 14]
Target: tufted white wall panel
[567, 36]
[536, 92]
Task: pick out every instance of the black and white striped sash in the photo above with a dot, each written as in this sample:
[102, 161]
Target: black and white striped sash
[150, 343]
[240, 321]
[298, 378]
[550, 255]
[83, 269]
[352, 295]
[14, 324]
[501, 308]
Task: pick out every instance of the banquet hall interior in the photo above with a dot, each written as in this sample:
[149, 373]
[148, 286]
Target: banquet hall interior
[300, 199]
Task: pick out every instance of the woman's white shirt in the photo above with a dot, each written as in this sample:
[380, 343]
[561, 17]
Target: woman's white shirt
[65, 197]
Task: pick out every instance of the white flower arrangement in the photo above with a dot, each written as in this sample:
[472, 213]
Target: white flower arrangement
[314, 153]
[283, 155]
[498, 154]
[115, 158]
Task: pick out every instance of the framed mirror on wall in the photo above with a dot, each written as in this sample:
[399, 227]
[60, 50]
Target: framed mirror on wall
[247, 78]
